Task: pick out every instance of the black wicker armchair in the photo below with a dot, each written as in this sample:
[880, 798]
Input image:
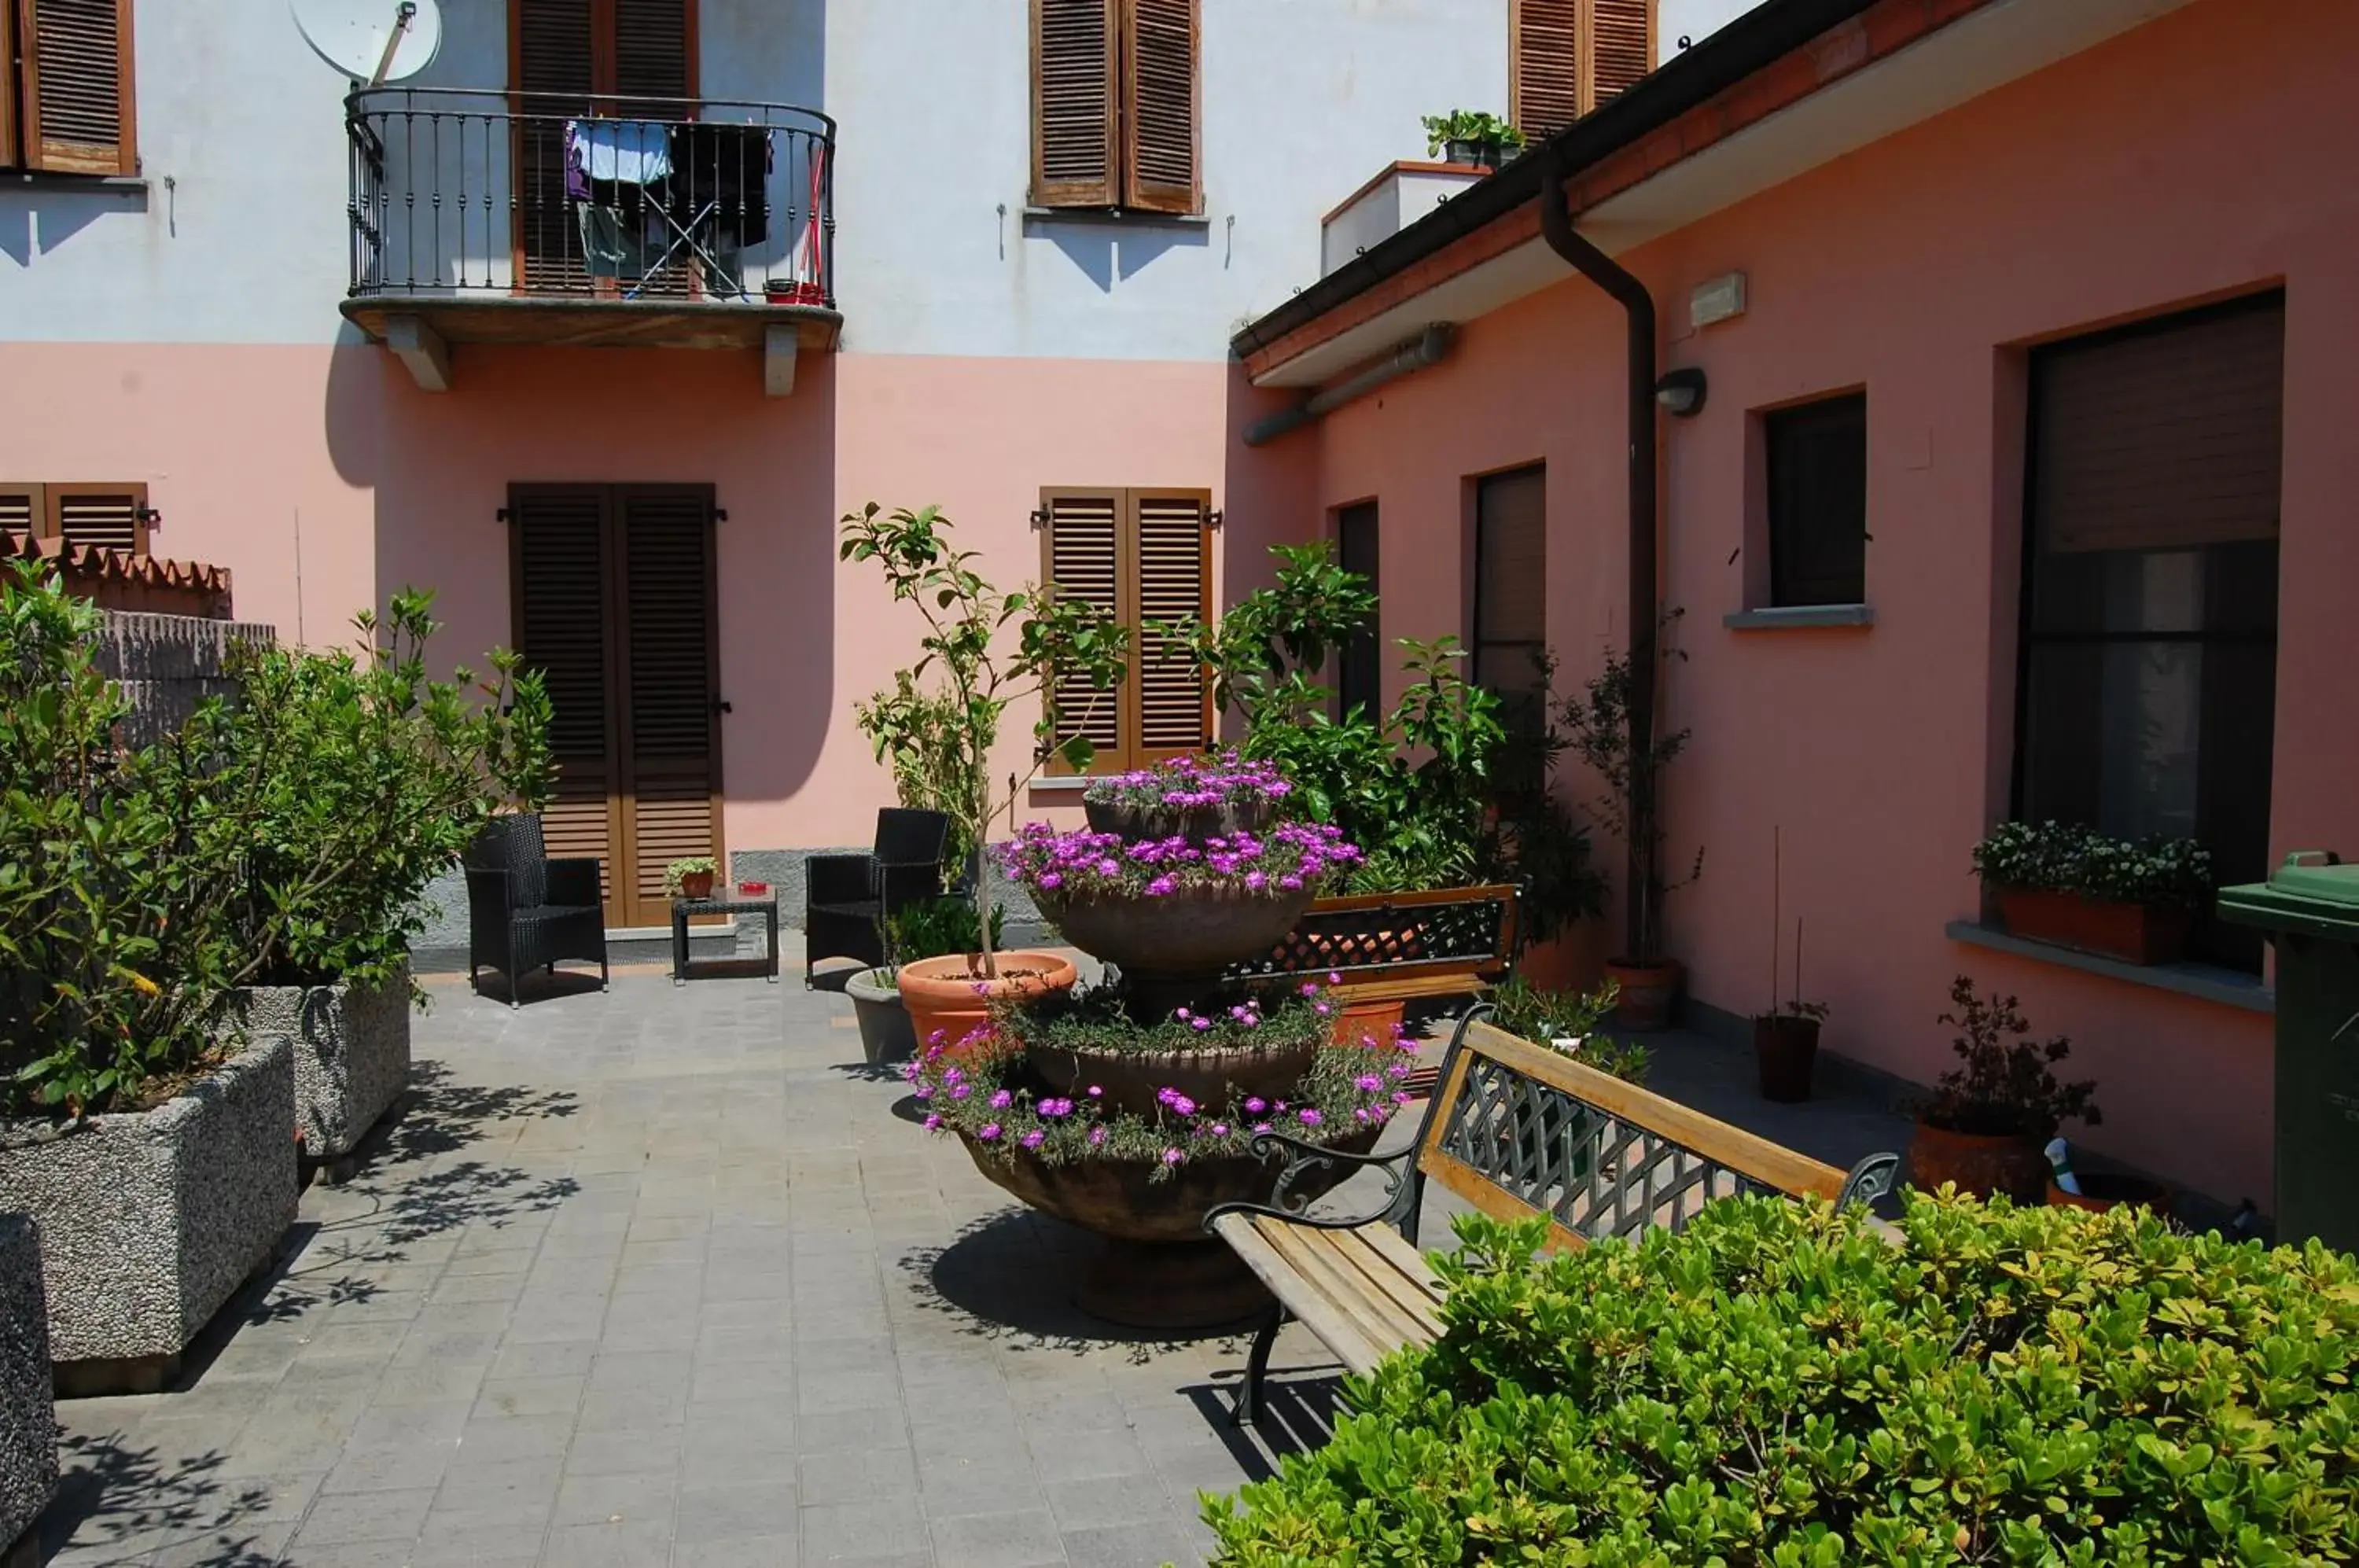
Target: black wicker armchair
[525, 911]
[851, 896]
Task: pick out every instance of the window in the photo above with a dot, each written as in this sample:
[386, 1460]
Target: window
[2150, 647]
[1817, 502]
[1566, 57]
[109, 517]
[66, 105]
[1359, 670]
[1511, 600]
[1141, 556]
[1115, 104]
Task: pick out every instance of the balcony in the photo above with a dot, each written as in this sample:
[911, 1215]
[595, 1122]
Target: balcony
[497, 217]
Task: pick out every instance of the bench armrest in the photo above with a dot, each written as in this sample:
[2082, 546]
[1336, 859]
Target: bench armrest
[1301, 1159]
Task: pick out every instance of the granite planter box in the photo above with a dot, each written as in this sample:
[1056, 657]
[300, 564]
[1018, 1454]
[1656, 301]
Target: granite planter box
[351, 1054]
[29, 1428]
[151, 1221]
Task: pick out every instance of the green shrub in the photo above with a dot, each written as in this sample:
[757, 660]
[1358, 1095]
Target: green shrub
[1544, 1017]
[2057, 857]
[936, 928]
[1780, 1384]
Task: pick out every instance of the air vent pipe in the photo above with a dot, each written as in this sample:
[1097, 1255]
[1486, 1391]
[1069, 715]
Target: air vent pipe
[1429, 347]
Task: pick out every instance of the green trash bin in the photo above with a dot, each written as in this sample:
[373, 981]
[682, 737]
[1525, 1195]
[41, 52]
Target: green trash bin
[2309, 910]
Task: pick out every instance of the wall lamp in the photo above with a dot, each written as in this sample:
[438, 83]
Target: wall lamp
[1681, 391]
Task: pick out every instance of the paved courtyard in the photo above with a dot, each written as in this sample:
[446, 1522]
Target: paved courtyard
[661, 1277]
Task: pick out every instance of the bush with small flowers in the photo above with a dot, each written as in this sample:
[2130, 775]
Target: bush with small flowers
[1084, 864]
[1193, 783]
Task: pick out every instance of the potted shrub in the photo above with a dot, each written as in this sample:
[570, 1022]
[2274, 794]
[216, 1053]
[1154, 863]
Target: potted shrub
[933, 929]
[690, 877]
[2073, 886]
[29, 1427]
[1472, 137]
[370, 780]
[1986, 1125]
[1599, 732]
[154, 1151]
[1062, 645]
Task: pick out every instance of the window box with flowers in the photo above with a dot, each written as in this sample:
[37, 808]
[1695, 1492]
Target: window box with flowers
[2076, 888]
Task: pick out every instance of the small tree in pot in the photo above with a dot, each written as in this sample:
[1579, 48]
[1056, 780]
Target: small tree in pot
[1986, 1125]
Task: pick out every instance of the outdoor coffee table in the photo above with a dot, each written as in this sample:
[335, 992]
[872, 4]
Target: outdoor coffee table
[684, 909]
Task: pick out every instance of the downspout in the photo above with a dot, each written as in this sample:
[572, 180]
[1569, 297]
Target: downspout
[1639, 307]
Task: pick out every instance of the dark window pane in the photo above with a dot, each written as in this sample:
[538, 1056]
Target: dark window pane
[1360, 675]
[1511, 611]
[1817, 502]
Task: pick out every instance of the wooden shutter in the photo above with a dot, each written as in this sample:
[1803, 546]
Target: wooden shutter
[654, 52]
[1174, 573]
[1080, 555]
[106, 516]
[1567, 57]
[1161, 106]
[2163, 436]
[8, 82]
[24, 514]
[554, 55]
[671, 735]
[1073, 98]
[78, 116]
[557, 579]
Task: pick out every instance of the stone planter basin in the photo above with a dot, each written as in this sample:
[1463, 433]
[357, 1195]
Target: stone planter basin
[151, 1221]
[1218, 1078]
[29, 1428]
[351, 1052]
[886, 1035]
[1192, 933]
[1198, 824]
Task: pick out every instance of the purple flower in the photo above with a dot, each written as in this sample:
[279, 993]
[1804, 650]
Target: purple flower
[1261, 1127]
[1160, 887]
[960, 1091]
[1308, 1117]
[1368, 1082]
[1333, 978]
[989, 1133]
[1096, 1092]
[1321, 1008]
[1400, 1097]
[1200, 1025]
[1097, 1135]
[932, 1121]
[1002, 1100]
[1172, 1157]
[1255, 1106]
[1034, 1138]
[1051, 880]
[1310, 988]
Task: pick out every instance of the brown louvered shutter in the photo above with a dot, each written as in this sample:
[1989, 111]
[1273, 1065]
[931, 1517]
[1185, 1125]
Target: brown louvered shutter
[1174, 572]
[557, 577]
[8, 82]
[671, 803]
[1081, 556]
[1159, 106]
[22, 512]
[1073, 97]
[1621, 48]
[653, 49]
[1567, 57]
[77, 112]
[105, 517]
[554, 57]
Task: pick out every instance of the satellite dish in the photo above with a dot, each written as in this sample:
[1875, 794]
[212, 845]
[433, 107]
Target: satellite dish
[372, 40]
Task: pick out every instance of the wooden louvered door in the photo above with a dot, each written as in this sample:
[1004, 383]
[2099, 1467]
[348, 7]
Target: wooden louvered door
[1171, 565]
[76, 109]
[1567, 57]
[614, 603]
[1081, 553]
[1159, 106]
[670, 803]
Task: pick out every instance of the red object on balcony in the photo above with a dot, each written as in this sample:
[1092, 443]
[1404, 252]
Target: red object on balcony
[2134, 933]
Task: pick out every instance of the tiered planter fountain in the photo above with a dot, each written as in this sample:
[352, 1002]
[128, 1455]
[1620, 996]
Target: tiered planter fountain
[1130, 1109]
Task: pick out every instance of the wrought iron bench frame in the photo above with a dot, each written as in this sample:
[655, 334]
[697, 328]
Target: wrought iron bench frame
[1517, 1130]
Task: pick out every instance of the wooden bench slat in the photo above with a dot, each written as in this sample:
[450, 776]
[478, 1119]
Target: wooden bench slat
[1413, 1297]
[1334, 1328]
[1378, 1321]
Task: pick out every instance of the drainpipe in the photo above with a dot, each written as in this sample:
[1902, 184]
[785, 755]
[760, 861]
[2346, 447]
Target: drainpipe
[1638, 306]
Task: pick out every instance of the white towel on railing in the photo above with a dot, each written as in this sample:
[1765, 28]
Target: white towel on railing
[627, 152]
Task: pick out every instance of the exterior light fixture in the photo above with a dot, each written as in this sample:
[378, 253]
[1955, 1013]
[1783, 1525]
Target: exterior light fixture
[1681, 391]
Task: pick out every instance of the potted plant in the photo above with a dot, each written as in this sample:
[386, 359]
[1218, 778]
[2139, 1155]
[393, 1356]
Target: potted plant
[1986, 1125]
[2097, 1190]
[965, 669]
[1599, 731]
[1472, 137]
[690, 877]
[1785, 1037]
[2073, 886]
[935, 928]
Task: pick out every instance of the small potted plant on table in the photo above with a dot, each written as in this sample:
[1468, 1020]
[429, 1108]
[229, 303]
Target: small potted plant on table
[690, 877]
[1473, 137]
[2075, 887]
[1987, 1123]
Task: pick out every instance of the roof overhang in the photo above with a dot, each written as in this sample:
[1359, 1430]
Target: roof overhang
[1675, 159]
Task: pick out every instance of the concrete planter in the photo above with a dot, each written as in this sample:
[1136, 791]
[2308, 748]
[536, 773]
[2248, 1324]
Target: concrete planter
[150, 1222]
[886, 1035]
[29, 1428]
[351, 1054]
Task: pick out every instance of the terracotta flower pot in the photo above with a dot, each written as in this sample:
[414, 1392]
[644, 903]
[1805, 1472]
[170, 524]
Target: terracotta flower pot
[2102, 1190]
[948, 995]
[1193, 931]
[1573, 960]
[696, 885]
[1649, 991]
[1372, 1021]
[1980, 1163]
[2134, 933]
[1786, 1048]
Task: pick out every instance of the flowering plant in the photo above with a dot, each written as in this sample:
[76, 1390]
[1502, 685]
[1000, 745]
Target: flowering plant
[1081, 864]
[1194, 782]
[1095, 1020]
[1348, 1091]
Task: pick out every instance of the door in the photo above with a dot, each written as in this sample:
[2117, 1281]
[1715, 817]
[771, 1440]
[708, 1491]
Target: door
[614, 588]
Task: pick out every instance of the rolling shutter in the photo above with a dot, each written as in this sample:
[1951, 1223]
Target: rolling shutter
[671, 803]
[1175, 584]
[77, 114]
[1081, 556]
[2162, 438]
[1161, 106]
[1074, 81]
[105, 517]
[558, 570]
[1567, 57]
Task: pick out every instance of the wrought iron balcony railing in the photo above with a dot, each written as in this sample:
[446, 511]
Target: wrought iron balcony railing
[459, 193]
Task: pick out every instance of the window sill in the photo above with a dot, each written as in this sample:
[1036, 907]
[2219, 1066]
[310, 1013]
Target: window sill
[1033, 215]
[125, 186]
[2227, 987]
[1063, 784]
[1796, 616]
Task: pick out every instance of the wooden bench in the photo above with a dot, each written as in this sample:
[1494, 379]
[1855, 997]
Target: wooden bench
[1516, 1130]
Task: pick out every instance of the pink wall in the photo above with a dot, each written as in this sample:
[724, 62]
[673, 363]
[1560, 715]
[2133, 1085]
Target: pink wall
[2121, 182]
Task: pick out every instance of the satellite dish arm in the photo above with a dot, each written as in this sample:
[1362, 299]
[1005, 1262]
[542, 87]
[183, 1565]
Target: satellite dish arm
[403, 15]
